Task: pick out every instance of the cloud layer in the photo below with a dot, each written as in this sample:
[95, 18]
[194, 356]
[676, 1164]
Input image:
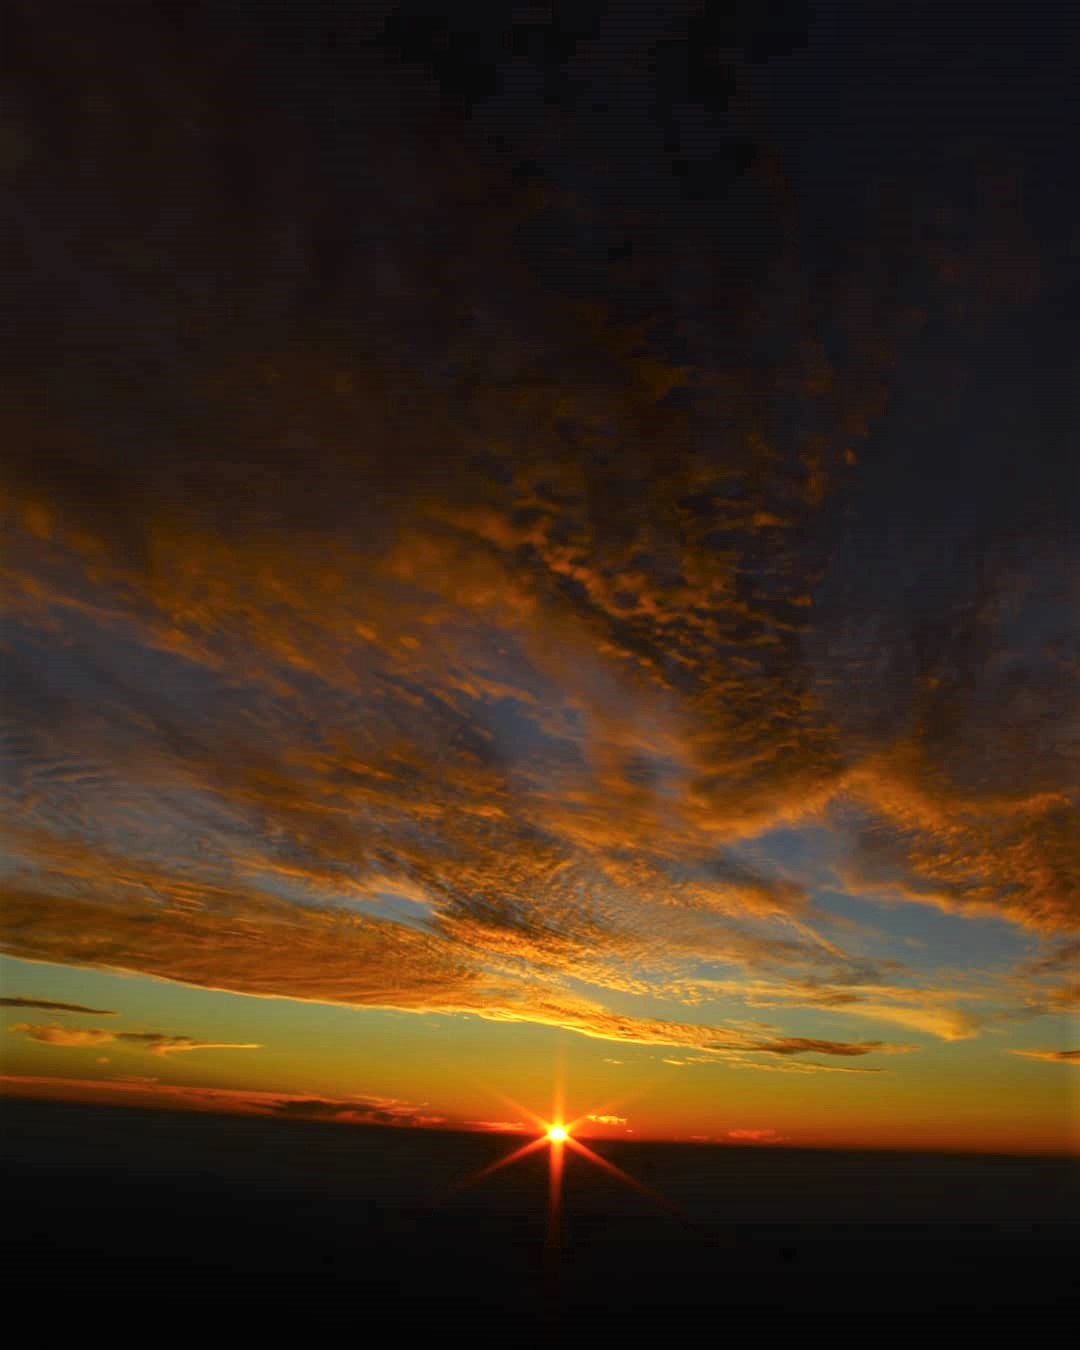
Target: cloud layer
[457, 656]
[143, 1091]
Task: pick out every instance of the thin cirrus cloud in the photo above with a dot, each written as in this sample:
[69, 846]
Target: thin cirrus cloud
[453, 664]
[153, 1042]
[357, 1110]
[49, 1006]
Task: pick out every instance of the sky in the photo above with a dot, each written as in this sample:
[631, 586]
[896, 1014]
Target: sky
[544, 550]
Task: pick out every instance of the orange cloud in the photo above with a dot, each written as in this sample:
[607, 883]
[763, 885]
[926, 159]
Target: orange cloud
[69, 1036]
[335, 956]
[931, 842]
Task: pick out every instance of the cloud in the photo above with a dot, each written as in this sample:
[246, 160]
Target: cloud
[1052, 1056]
[756, 1136]
[60, 1035]
[1060, 956]
[607, 1119]
[335, 955]
[158, 1043]
[868, 995]
[807, 1066]
[50, 1006]
[950, 1024]
[741, 1059]
[455, 661]
[931, 844]
[155, 1042]
[801, 1045]
[143, 1090]
[357, 1111]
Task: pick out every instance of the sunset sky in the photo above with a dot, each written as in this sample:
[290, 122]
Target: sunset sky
[543, 553]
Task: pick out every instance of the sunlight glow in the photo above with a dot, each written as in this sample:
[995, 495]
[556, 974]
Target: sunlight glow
[560, 1141]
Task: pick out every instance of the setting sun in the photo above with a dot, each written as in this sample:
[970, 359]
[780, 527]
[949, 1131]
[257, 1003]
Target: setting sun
[557, 1134]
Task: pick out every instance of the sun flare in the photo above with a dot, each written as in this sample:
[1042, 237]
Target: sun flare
[558, 1134]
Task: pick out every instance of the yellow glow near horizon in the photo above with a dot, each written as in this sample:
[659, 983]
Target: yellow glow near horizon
[558, 1134]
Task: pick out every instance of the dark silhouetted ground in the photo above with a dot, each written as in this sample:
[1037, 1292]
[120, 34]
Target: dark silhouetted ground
[141, 1223]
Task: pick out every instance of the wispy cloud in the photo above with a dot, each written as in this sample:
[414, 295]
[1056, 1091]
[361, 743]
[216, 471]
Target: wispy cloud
[154, 1042]
[338, 956]
[747, 1136]
[802, 1045]
[49, 1006]
[61, 1035]
[143, 1090]
[741, 1059]
[356, 1110]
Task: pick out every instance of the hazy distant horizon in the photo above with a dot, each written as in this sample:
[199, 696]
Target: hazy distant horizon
[34, 1091]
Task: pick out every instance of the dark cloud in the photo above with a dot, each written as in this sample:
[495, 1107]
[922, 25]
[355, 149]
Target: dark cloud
[360, 1111]
[1057, 959]
[139, 1090]
[50, 1006]
[801, 1045]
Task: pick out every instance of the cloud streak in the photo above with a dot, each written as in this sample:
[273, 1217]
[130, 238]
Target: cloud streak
[356, 1110]
[49, 1006]
[1051, 1056]
[153, 1042]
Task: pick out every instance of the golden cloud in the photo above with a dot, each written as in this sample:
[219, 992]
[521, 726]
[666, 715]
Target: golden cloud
[1051, 1056]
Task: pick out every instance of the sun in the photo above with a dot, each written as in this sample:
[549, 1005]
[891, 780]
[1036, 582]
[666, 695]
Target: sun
[559, 1138]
